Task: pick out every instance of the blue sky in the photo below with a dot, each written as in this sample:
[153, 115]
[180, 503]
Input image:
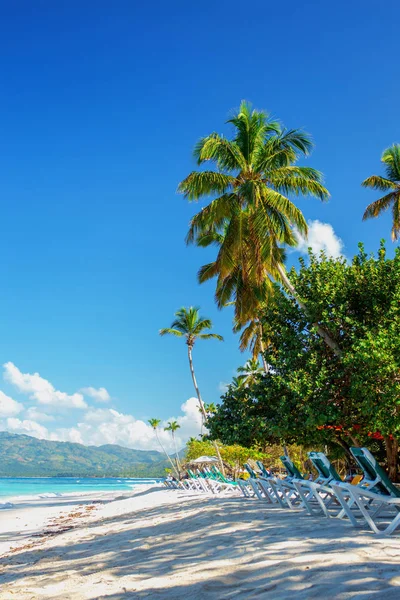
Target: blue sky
[100, 107]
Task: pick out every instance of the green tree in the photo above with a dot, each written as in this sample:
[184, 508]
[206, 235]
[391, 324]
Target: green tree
[155, 423]
[252, 216]
[173, 426]
[389, 184]
[192, 327]
[309, 396]
[234, 455]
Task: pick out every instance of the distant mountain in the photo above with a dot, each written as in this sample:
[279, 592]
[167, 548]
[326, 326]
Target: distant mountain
[26, 456]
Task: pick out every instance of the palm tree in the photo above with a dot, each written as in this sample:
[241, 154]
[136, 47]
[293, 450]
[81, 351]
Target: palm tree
[155, 423]
[210, 408]
[251, 217]
[250, 373]
[236, 384]
[389, 184]
[251, 339]
[172, 427]
[189, 325]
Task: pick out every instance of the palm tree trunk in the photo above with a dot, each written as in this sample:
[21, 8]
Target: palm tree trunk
[203, 412]
[166, 454]
[329, 341]
[265, 364]
[178, 464]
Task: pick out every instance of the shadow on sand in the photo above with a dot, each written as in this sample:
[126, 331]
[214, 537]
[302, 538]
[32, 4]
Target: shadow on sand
[227, 549]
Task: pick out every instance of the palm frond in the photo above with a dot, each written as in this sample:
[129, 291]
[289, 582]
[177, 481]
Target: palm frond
[207, 272]
[211, 217]
[210, 336]
[376, 182]
[298, 180]
[391, 160]
[203, 183]
[224, 153]
[171, 331]
[376, 208]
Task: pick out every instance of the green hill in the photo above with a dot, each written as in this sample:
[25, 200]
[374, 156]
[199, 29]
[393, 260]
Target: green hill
[25, 456]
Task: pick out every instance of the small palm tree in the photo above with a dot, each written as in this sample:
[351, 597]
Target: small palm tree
[155, 423]
[172, 427]
[189, 325]
[389, 184]
[236, 384]
[210, 408]
[250, 373]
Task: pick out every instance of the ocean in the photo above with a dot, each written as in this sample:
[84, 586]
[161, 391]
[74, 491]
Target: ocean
[48, 487]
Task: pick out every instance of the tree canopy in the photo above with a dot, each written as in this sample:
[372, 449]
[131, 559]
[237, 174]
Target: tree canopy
[310, 395]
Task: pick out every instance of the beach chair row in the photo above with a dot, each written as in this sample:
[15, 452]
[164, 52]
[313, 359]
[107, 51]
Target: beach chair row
[374, 501]
[206, 481]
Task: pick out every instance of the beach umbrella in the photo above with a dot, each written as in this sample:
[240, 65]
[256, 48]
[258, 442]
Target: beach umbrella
[203, 459]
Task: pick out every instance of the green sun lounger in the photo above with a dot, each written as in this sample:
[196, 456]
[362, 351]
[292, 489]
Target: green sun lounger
[318, 496]
[375, 501]
[260, 486]
[374, 476]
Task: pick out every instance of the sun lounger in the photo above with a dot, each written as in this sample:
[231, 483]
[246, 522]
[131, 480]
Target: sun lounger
[318, 496]
[374, 501]
[283, 489]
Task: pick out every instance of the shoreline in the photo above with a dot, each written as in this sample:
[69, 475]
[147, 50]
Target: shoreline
[28, 517]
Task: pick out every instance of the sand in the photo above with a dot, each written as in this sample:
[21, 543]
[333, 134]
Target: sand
[162, 543]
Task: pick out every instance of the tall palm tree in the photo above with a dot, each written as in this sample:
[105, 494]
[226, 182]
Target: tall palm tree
[189, 325]
[389, 184]
[251, 217]
[155, 423]
[172, 427]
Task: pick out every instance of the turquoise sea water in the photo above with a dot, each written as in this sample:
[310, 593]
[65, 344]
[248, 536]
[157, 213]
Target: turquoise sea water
[61, 486]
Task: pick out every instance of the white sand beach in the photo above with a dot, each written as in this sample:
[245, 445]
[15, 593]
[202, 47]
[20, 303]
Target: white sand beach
[161, 543]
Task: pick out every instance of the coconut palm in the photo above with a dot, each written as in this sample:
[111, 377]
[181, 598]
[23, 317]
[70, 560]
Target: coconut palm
[192, 327]
[172, 427]
[251, 217]
[155, 423]
[389, 184]
[250, 373]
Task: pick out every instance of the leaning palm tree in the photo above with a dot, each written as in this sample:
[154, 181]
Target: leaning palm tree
[251, 217]
[172, 427]
[155, 423]
[389, 184]
[189, 325]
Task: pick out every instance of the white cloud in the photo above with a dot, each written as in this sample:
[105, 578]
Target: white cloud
[223, 387]
[8, 406]
[97, 426]
[321, 236]
[40, 389]
[28, 427]
[108, 426]
[100, 394]
[36, 415]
